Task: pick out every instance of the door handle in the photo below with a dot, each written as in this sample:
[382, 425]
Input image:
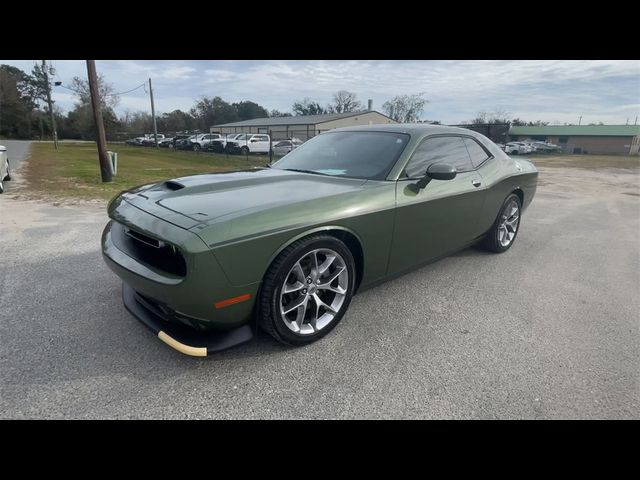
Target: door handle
[476, 183]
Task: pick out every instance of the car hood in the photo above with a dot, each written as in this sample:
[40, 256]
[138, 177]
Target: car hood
[209, 198]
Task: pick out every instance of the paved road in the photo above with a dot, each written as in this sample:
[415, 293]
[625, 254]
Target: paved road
[549, 329]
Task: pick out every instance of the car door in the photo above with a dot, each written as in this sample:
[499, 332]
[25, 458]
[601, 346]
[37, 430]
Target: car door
[442, 217]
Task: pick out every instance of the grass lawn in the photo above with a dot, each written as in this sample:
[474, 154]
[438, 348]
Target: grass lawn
[73, 171]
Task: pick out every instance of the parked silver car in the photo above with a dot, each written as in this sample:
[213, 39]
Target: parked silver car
[545, 147]
[5, 174]
[283, 147]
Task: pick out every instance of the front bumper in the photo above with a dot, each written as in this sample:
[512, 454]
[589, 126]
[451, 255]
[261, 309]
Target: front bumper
[200, 296]
[182, 338]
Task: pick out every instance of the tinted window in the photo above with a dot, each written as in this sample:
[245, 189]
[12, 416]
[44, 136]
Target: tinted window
[369, 155]
[476, 152]
[449, 150]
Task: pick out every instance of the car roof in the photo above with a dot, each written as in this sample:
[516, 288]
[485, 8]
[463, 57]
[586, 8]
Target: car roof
[420, 129]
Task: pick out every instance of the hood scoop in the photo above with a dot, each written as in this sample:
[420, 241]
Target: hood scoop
[173, 185]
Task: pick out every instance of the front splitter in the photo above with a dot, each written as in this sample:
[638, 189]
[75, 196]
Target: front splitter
[180, 337]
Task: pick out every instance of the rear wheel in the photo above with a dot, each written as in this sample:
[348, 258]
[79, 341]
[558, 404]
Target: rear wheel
[244, 151]
[504, 230]
[307, 290]
[196, 147]
[8, 175]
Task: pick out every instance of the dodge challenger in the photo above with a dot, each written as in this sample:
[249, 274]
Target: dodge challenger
[207, 260]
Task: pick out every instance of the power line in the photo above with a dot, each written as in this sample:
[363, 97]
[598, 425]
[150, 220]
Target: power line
[109, 94]
[122, 93]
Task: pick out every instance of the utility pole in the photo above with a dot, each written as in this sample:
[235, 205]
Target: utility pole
[105, 170]
[53, 120]
[153, 114]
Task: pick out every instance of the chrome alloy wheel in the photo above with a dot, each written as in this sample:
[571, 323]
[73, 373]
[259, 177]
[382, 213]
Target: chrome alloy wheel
[314, 291]
[509, 223]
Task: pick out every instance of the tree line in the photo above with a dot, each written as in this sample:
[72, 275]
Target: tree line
[24, 110]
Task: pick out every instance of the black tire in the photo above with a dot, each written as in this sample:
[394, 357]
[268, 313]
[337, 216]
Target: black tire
[269, 306]
[244, 151]
[196, 147]
[491, 241]
[7, 177]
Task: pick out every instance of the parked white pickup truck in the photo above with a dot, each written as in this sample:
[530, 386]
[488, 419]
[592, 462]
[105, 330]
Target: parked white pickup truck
[249, 143]
[202, 140]
[5, 174]
[219, 145]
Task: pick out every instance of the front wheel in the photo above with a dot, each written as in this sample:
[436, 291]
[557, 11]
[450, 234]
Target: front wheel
[244, 151]
[196, 147]
[504, 230]
[307, 290]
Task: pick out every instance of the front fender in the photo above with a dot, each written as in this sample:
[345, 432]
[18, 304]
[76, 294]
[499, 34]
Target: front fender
[311, 231]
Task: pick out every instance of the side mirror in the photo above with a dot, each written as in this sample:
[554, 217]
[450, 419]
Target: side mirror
[437, 171]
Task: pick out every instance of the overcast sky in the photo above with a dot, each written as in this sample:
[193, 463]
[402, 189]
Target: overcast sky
[555, 90]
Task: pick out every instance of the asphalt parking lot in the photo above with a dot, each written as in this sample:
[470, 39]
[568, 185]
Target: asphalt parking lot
[549, 329]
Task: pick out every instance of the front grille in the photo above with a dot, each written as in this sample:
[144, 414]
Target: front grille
[141, 237]
[165, 312]
[149, 251]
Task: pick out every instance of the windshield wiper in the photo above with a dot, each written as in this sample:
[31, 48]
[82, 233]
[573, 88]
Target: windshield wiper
[306, 171]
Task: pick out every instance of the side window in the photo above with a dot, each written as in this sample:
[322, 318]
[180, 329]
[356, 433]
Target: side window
[450, 150]
[476, 152]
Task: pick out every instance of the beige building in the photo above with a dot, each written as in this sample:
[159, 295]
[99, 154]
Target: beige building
[577, 139]
[302, 127]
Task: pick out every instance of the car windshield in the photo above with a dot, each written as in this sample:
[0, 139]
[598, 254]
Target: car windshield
[367, 155]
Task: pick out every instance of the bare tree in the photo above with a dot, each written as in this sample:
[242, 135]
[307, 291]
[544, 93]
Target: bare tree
[278, 113]
[405, 108]
[344, 102]
[307, 107]
[105, 92]
[498, 116]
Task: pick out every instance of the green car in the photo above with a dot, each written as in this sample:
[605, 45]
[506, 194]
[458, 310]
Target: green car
[207, 259]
